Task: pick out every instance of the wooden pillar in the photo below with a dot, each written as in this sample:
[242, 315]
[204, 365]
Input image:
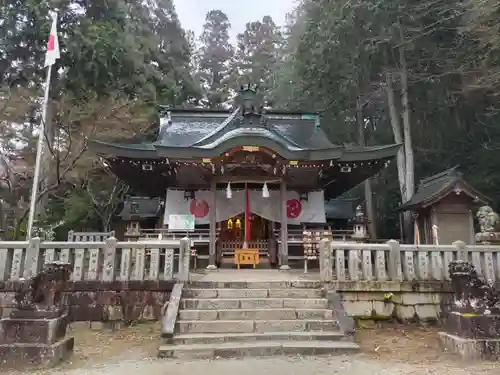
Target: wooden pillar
[212, 249]
[284, 229]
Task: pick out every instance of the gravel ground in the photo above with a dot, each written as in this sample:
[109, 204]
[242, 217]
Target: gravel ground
[390, 350]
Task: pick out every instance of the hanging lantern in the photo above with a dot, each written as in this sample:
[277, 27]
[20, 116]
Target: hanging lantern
[230, 224]
[265, 191]
[238, 223]
[229, 193]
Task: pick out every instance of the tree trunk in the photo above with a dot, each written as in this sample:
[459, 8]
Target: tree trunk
[398, 135]
[401, 155]
[370, 212]
[410, 166]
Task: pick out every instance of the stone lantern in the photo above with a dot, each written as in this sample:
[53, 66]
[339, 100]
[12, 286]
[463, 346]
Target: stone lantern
[360, 230]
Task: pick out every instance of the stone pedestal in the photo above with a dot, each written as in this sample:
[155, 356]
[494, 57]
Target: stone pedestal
[488, 238]
[472, 336]
[34, 338]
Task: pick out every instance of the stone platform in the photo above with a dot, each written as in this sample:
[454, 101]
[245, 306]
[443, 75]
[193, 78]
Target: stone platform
[29, 341]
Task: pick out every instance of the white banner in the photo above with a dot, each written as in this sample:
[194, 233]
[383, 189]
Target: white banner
[310, 211]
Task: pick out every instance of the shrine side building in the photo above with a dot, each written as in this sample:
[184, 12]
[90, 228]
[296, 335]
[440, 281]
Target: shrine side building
[247, 177]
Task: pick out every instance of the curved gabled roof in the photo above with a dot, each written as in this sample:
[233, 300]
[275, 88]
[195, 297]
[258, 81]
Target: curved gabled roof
[205, 134]
[434, 188]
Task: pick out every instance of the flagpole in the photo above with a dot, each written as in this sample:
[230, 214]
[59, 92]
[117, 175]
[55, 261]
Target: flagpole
[39, 152]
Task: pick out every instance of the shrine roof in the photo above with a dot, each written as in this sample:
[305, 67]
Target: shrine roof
[434, 188]
[198, 134]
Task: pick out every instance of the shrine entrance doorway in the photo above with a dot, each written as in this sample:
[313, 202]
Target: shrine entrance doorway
[232, 236]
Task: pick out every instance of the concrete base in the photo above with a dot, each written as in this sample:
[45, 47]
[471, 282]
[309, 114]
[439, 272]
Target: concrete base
[35, 355]
[471, 349]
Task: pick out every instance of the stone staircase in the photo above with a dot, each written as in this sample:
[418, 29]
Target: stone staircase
[234, 319]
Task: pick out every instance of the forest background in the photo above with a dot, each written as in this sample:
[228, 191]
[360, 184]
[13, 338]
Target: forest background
[422, 73]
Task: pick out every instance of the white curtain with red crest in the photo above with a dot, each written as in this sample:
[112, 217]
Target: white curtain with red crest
[298, 211]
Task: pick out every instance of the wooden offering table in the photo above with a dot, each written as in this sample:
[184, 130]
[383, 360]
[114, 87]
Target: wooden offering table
[246, 256]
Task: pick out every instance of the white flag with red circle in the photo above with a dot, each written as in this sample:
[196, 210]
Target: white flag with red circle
[53, 52]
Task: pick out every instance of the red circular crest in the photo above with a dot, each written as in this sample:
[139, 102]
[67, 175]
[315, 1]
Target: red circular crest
[198, 208]
[293, 208]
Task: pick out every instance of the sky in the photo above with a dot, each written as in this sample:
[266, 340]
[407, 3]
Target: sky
[192, 12]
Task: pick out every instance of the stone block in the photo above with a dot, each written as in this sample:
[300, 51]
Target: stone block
[257, 349]
[199, 314]
[33, 331]
[216, 326]
[471, 349]
[476, 327]
[309, 284]
[428, 312]
[309, 303]
[27, 355]
[314, 314]
[382, 309]
[404, 312]
[280, 326]
[271, 314]
[296, 293]
[321, 325]
[210, 304]
[268, 303]
[358, 309]
[200, 293]
[242, 293]
[417, 298]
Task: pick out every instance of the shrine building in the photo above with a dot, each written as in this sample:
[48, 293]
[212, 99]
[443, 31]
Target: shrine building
[247, 179]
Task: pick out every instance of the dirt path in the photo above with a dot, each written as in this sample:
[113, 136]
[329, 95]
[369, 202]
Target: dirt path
[385, 351]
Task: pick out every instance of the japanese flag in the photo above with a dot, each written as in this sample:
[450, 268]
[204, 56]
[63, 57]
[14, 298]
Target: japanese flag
[53, 44]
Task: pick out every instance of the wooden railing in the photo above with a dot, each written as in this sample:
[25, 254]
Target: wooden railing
[108, 260]
[391, 261]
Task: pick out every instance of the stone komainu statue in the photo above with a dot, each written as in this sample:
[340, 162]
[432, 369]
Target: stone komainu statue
[44, 290]
[489, 221]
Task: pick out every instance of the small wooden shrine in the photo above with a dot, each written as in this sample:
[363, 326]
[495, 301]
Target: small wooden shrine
[249, 177]
[446, 202]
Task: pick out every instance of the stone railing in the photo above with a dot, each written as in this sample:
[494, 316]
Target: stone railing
[108, 260]
[342, 261]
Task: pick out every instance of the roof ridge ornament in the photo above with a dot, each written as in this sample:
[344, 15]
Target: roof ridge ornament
[249, 100]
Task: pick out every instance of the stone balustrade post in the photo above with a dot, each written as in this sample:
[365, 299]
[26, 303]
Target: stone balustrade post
[108, 273]
[184, 257]
[32, 258]
[325, 260]
[4, 258]
[462, 251]
[394, 266]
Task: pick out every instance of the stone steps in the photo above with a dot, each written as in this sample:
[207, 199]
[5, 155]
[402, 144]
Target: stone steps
[253, 293]
[279, 284]
[262, 348]
[217, 338]
[255, 314]
[253, 303]
[248, 326]
[235, 319]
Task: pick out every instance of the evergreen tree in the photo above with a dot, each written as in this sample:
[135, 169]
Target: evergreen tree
[259, 54]
[215, 59]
